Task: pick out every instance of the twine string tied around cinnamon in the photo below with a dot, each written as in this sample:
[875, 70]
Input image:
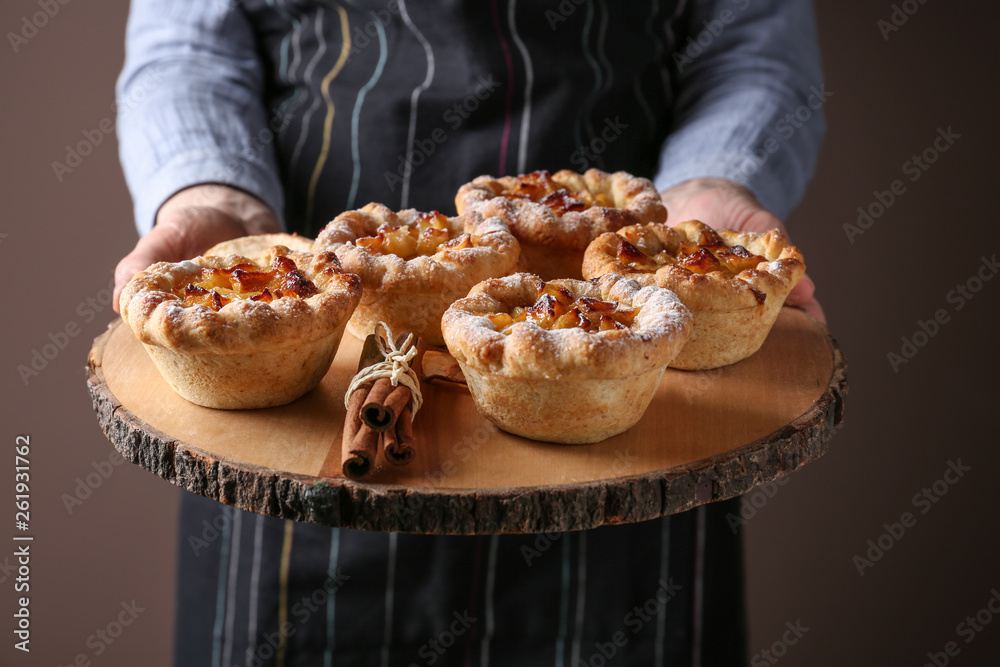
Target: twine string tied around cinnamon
[395, 366]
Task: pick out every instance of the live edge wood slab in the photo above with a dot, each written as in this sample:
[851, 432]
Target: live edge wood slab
[707, 436]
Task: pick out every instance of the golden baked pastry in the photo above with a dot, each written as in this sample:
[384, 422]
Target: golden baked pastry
[256, 246]
[229, 332]
[565, 361]
[555, 216]
[734, 283]
[414, 265]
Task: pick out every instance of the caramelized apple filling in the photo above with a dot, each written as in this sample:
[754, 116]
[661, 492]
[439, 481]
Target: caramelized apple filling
[539, 187]
[710, 253]
[217, 287]
[426, 236]
[556, 309]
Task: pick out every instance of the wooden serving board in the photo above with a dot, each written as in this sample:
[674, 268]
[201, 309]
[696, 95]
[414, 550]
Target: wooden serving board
[707, 436]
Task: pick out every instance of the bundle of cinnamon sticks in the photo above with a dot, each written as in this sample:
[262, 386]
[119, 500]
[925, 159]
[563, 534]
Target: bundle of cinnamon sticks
[378, 412]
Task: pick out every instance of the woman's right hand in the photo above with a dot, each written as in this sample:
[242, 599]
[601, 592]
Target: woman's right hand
[192, 221]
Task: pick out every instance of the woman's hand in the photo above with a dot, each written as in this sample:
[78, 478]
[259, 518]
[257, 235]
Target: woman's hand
[192, 221]
[723, 204]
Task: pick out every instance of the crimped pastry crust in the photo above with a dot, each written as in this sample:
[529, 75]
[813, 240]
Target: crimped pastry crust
[733, 313]
[554, 243]
[564, 385]
[248, 354]
[411, 295]
[257, 246]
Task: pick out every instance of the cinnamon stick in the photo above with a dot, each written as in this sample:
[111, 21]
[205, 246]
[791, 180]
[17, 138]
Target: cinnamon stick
[385, 402]
[378, 410]
[360, 443]
[397, 401]
[399, 448]
[373, 412]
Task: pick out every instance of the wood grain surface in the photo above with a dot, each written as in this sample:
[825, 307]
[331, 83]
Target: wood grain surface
[707, 436]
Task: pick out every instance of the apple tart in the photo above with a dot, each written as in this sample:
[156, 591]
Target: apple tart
[231, 332]
[413, 265]
[568, 360]
[555, 216]
[733, 282]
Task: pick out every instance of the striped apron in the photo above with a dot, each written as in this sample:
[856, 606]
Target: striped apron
[401, 102]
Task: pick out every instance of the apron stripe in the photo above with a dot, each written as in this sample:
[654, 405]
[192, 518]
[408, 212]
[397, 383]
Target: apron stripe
[356, 116]
[583, 118]
[581, 596]
[529, 75]
[477, 560]
[563, 604]
[220, 595]
[308, 77]
[345, 49]
[505, 136]
[414, 98]
[654, 8]
[491, 572]
[258, 539]
[291, 103]
[286, 561]
[331, 601]
[699, 586]
[390, 593]
[661, 612]
[234, 569]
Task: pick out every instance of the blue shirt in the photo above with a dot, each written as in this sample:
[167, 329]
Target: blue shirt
[732, 87]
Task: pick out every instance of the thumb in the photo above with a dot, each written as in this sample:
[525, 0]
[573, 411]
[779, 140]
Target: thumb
[157, 246]
[179, 234]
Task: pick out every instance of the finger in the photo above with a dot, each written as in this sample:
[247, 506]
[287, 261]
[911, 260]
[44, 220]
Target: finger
[814, 309]
[159, 245]
[761, 221]
[803, 296]
[802, 293]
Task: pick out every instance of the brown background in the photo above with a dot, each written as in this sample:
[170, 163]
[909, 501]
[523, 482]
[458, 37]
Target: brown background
[890, 97]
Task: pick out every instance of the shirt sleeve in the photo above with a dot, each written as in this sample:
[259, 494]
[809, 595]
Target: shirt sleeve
[750, 96]
[189, 105]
